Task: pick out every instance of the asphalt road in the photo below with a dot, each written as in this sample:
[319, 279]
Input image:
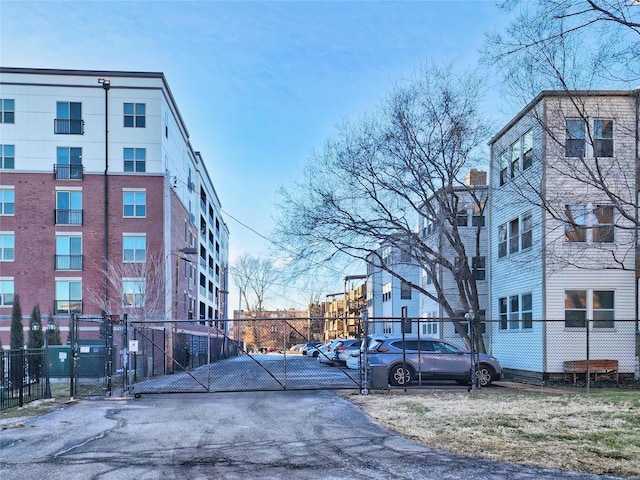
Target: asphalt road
[246, 435]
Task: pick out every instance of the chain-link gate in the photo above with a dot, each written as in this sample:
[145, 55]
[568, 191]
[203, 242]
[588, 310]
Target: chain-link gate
[196, 357]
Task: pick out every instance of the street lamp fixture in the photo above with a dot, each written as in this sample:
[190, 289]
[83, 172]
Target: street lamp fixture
[51, 326]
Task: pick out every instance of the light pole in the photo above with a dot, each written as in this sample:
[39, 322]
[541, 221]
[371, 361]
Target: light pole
[51, 326]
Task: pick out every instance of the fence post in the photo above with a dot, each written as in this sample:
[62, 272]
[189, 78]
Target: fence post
[72, 354]
[588, 383]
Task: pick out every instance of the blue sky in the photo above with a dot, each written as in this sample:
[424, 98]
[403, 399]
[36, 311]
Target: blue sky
[260, 85]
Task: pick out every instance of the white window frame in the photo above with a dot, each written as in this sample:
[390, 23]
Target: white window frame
[7, 291]
[136, 204]
[4, 193]
[136, 239]
[7, 246]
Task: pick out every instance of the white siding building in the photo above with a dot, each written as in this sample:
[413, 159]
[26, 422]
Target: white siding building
[471, 223]
[563, 238]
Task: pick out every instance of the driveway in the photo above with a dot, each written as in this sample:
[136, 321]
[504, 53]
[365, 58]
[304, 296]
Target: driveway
[246, 435]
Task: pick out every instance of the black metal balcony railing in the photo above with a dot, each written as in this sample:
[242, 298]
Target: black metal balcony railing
[65, 171]
[67, 126]
[68, 217]
[68, 306]
[68, 262]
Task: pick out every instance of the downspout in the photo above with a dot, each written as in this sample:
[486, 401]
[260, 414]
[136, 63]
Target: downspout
[106, 84]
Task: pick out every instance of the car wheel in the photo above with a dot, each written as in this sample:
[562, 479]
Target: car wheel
[399, 376]
[485, 375]
[315, 354]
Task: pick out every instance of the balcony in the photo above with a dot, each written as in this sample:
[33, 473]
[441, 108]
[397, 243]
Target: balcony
[68, 262]
[67, 306]
[68, 217]
[65, 172]
[65, 126]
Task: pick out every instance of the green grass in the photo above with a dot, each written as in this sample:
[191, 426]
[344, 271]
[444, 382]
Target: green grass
[595, 433]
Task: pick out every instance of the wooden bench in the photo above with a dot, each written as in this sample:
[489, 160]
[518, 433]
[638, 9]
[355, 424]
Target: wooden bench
[603, 367]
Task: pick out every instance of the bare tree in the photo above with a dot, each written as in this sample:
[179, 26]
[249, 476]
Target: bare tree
[136, 288]
[575, 48]
[254, 276]
[566, 45]
[371, 184]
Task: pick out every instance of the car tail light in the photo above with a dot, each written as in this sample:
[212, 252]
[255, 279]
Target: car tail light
[340, 349]
[382, 350]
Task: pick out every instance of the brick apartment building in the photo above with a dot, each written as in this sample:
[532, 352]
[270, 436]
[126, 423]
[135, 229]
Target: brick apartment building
[105, 207]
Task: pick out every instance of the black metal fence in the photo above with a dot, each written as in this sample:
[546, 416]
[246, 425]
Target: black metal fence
[22, 377]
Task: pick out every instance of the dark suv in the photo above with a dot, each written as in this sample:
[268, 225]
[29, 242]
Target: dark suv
[429, 359]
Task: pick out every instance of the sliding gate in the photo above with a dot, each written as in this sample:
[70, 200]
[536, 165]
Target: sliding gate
[205, 357]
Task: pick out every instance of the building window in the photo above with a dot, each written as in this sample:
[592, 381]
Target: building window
[516, 312]
[597, 219]
[69, 118]
[504, 167]
[386, 292]
[503, 312]
[514, 236]
[135, 159]
[134, 115]
[477, 220]
[527, 150]
[7, 157]
[603, 309]
[7, 247]
[7, 110]
[6, 292]
[68, 207]
[526, 231]
[479, 267]
[579, 303]
[405, 290]
[68, 163]
[7, 201]
[575, 308]
[68, 296]
[603, 227]
[515, 158]
[430, 328]
[461, 217]
[575, 138]
[527, 311]
[134, 248]
[502, 240]
[133, 290]
[68, 252]
[134, 203]
[603, 138]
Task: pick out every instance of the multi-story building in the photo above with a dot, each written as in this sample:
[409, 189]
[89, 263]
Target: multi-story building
[390, 295]
[105, 207]
[563, 232]
[343, 311]
[471, 202]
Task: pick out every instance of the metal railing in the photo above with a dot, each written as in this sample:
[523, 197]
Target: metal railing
[68, 126]
[68, 217]
[63, 171]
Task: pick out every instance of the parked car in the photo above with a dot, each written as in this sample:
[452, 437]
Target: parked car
[297, 347]
[311, 348]
[353, 361]
[430, 359]
[344, 350]
[327, 352]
